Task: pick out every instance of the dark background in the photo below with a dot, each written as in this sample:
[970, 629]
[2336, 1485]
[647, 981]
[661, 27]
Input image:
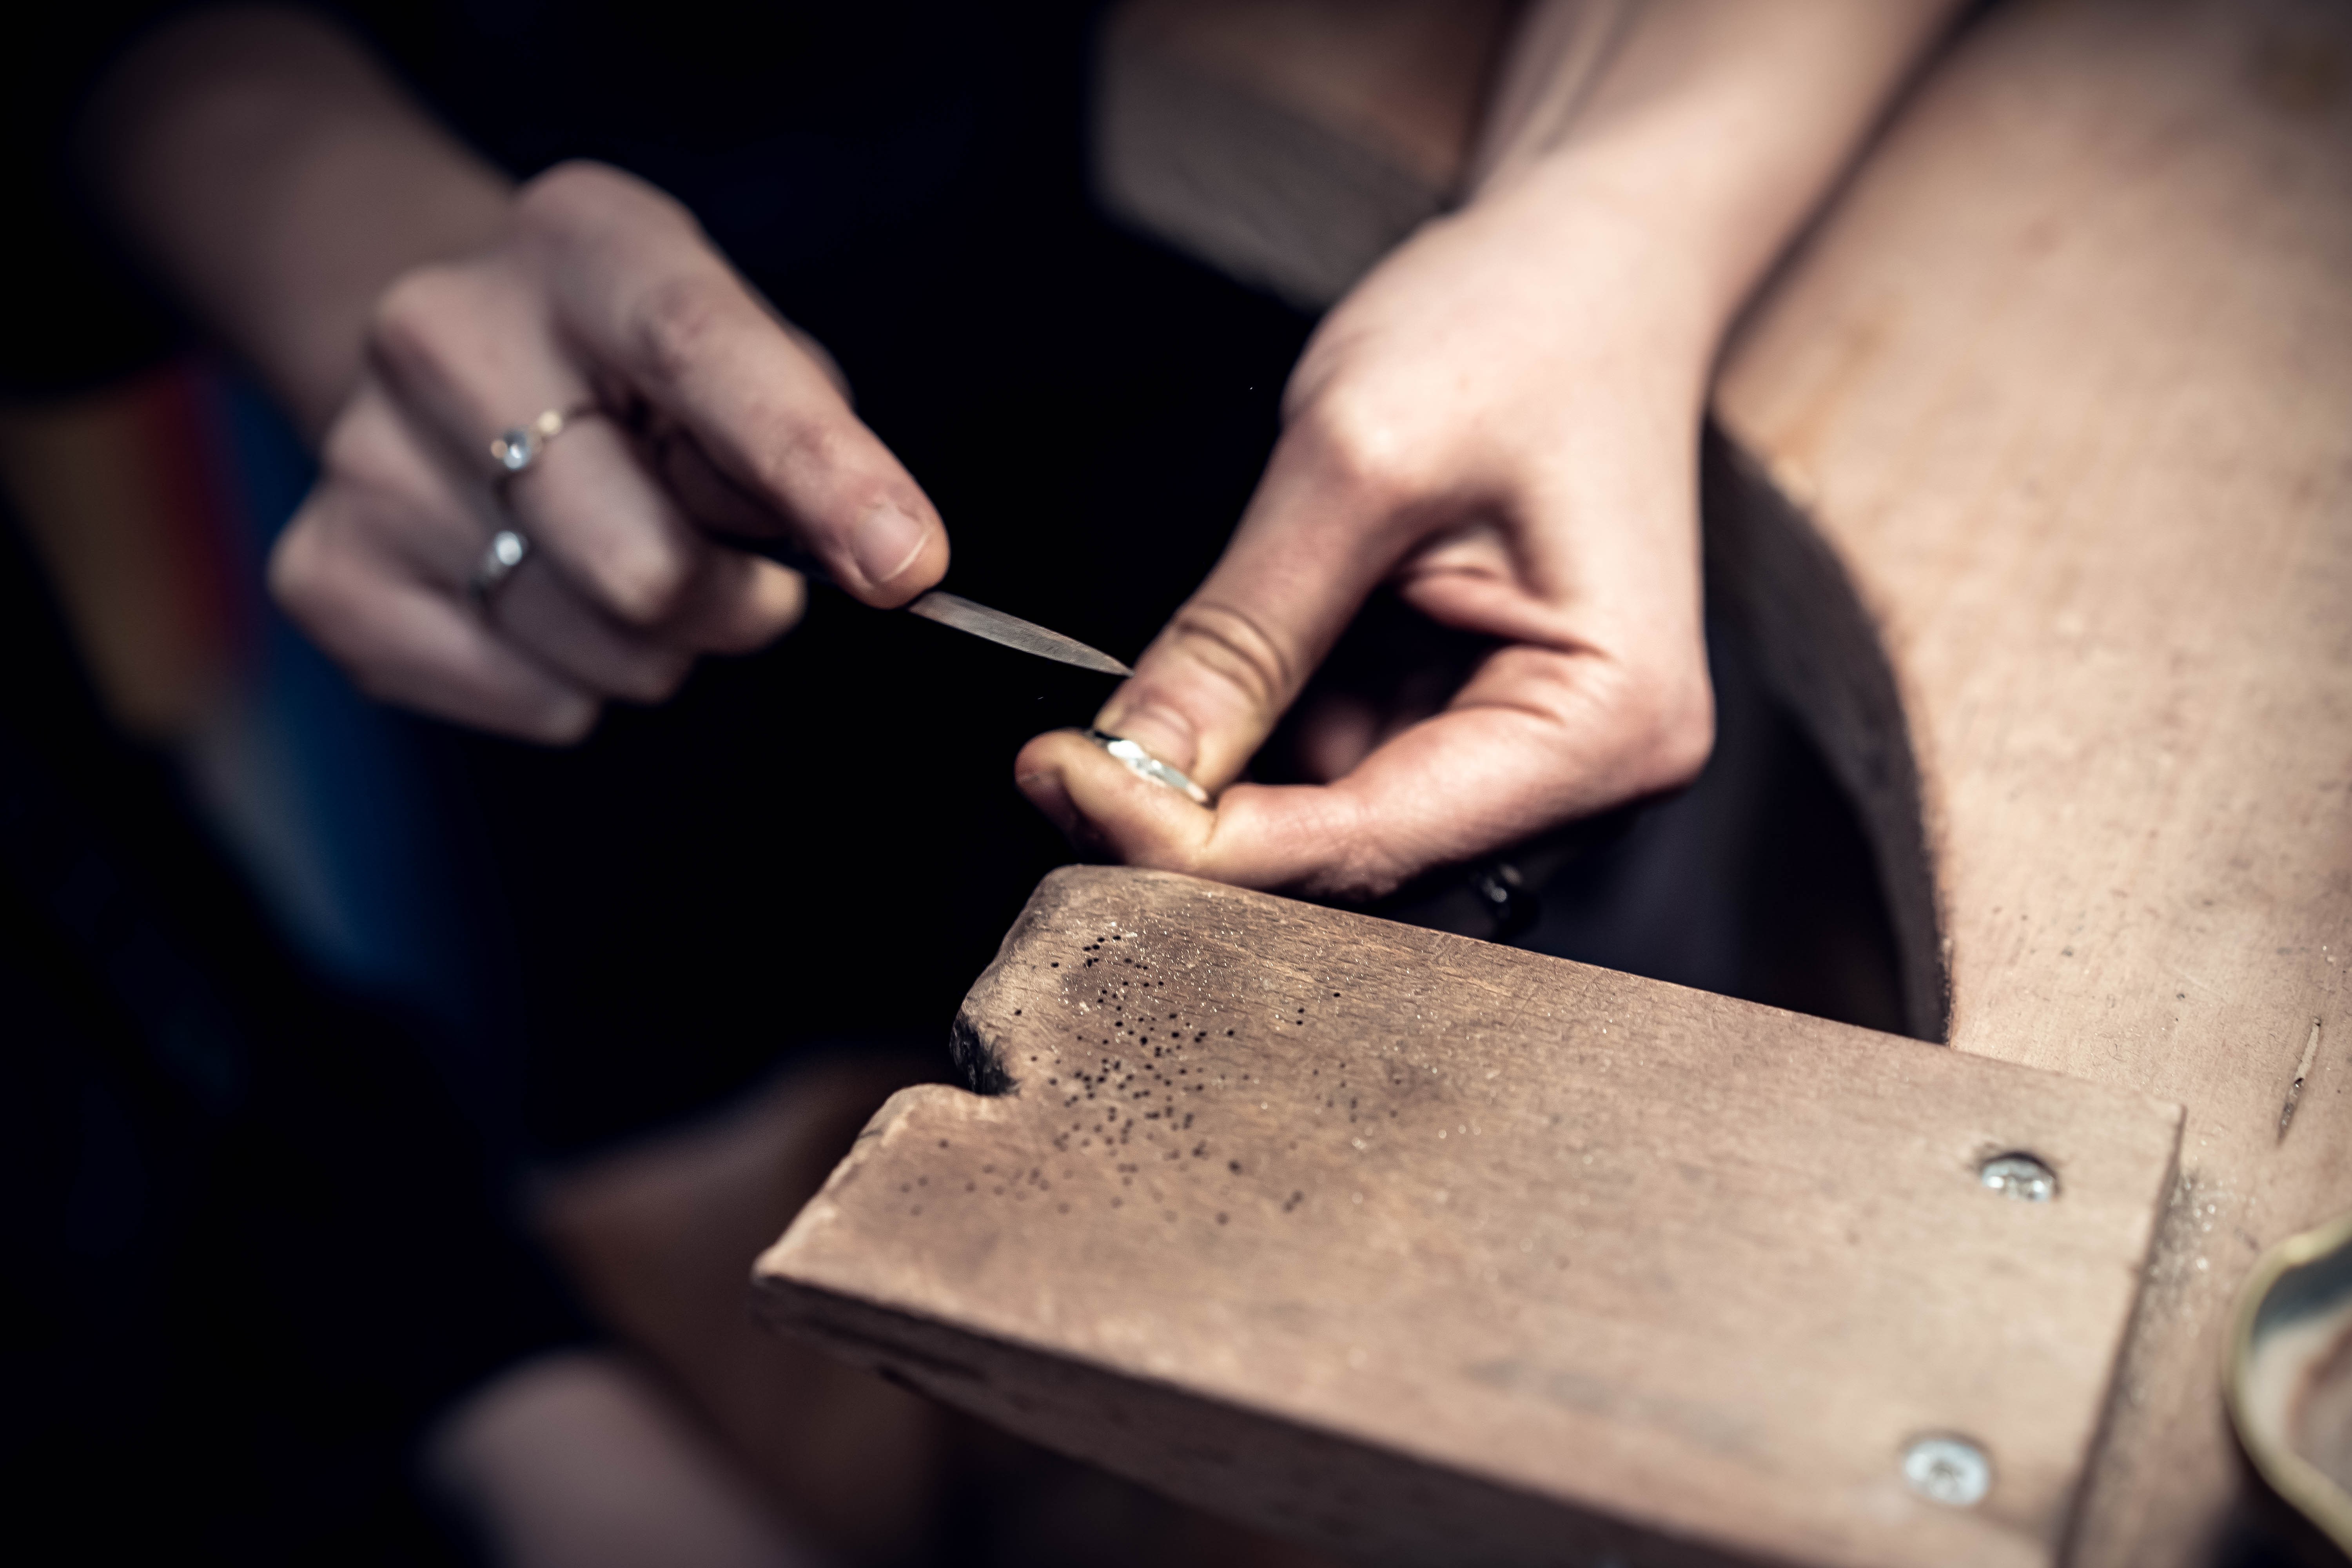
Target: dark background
[247, 1263]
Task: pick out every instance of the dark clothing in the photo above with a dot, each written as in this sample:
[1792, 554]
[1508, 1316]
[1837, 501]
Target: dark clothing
[245, 1217]
[254, 1243]
[250, 1244]
[823, 840]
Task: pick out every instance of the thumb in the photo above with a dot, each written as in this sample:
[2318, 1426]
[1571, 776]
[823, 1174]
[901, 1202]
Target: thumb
[1219, 676]
[641, 291]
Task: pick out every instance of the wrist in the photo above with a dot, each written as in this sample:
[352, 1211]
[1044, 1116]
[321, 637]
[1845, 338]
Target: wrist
[1674, 266]
[1710, 129]
[276, 182]
[1608, 301]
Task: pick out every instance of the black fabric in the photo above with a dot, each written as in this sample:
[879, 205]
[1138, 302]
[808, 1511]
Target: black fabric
[249, 1244]
[824, 841]
[78, 314]
[794, 131]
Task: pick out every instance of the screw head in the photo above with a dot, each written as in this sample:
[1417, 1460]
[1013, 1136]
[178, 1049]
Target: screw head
[2020, 1177]
[1950, 1471]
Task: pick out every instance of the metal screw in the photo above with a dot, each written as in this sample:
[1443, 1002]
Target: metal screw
[2020, 1177]
[1505, 895]
[1950, 1471]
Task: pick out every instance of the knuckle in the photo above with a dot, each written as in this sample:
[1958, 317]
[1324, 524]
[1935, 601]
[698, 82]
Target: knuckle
[1362, 866]
[680, 321]
[1185, 857]
[366, 455]
[410, 324]
[328, 589]
[663, 677]
[298, 565]
[554, 198]
[563, 722]
[538, 711]
[645, 587]
[348, 443]
[1231, 647]
[1354, 882]
[1667, 719]
[804, 450]
[744, 622]
[1364, 449]
[580, 196]
[1687, 739]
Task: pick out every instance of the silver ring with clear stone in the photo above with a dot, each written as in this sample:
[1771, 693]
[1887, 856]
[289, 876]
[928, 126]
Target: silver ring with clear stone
[506, 551]
[516, 449]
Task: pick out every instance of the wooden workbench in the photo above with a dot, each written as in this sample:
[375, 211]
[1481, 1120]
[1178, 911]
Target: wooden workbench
[2037, 491]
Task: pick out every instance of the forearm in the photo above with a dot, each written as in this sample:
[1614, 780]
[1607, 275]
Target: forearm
[276, 181]
[1704, 131]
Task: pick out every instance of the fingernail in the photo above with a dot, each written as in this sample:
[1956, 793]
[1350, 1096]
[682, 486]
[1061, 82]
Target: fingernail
[1164, 732]
[887, 543]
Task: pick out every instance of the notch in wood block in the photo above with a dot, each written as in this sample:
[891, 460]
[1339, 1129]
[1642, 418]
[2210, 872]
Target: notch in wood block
[1433, 1250]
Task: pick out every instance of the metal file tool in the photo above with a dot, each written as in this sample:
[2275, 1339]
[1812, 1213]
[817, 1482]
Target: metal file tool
[962, 614]
[1012, 631]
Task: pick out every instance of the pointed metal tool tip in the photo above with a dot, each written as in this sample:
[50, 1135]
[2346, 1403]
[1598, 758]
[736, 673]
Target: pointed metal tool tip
[1012, 632]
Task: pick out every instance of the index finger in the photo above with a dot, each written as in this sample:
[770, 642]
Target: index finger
[1537, 738]
[639, 292]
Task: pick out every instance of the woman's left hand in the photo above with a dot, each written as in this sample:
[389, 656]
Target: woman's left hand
[1502, 421]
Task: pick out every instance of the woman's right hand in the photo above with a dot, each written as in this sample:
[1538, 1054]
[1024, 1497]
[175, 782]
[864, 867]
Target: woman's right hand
[712, 416]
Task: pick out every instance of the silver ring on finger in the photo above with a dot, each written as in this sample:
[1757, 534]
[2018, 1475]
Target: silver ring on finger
[516, 450]
[1144, 765]
[507, 550]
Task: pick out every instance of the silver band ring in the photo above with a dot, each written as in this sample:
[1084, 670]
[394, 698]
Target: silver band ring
[506, 551]
[1144, 765]
[516, 449]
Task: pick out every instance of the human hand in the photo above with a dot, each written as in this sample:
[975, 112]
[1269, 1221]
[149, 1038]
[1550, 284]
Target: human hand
[1502, 421]
[716, 418]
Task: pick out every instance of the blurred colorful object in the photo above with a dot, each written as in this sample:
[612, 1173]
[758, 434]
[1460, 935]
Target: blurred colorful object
[152, 504]
[124, 494]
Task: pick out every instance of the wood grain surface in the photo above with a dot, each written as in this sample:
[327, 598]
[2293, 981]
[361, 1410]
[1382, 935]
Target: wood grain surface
[1439, 1251]
[2065, 378]
[2037, 493]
